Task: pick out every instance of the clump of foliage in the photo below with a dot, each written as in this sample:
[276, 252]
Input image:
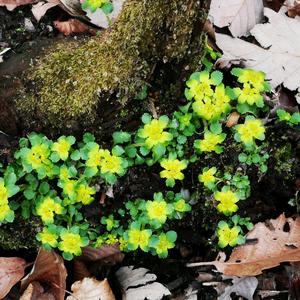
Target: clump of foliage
[105, 5]
[54, 180]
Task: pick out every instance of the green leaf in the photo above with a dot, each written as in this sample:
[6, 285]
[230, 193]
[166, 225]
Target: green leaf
[121, 137]
[143, 94]
[76, 155]
[44, 188]
[67, 256]
[159, 150]
[29, 194]
[90, 172]
[146, 118]
[54, 157]
[181, 139]
[170, 182]
[107, 8]
[25, 209]
[144, 151]
[295, 119]
[244, 108]
[172, 236]
[216, 77]
[130, 151]
[216, 128]
[117, 150]
[88, 138]
[12, 190]
[10, 217]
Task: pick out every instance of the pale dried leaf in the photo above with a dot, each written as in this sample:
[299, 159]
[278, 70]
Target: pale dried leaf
[232, 119]
[138, 284]
[294, 9]
[41, 8]
[12, 4]
[36, 292]
[100, 19]
[48, 267]
[240, 15]
[244, 286]
[277, 241]
[72, 26]
[2, 53]
[11, 271]
[280, 60]
[92, 289]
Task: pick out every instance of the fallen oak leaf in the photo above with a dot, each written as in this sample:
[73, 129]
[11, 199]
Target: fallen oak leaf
[277, 241]
[240, 15]
[35, 291]
[278, 55]
[49, 268]
[11, 271]
[73, 26]
[92, 289]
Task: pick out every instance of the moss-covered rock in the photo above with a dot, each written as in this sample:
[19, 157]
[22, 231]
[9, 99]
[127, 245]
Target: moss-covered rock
[76, 79]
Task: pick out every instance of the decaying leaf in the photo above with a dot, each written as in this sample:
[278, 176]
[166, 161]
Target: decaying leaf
[244, 286]
[11, 271]
[48, 267]
[92, 289]
[73, 26]
[138, 284]
[99, 258]
[12, 4]
[35, 291]
[277, 241]
[232, 119]
[279, 58]
[2, 53]
[294, 10]
[240, 15]
[41, 8]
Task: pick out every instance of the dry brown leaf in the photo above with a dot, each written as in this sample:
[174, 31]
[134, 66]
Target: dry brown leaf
[11, 271]
[104, 255]
[92, 289]
[294, 10]
[232, 119]
[277, 241]
[48, 267]
[36, 292]
[73, 26]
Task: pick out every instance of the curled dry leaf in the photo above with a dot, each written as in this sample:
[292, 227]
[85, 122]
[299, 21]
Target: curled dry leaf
[92, 289]
[106, 255]
[277, 241]
[233, 119]
[36, 292]
[294, 10]
[48, 267]
[11, 272]
[73, 26]
[240, 15]
[41, 8]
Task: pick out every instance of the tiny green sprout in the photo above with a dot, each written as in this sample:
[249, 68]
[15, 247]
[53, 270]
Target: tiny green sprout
[228, 200]
[163, 242]
[229, 236]
[251, 130]
[172, 170]
[110, 222]
[211, 142]
[71, 242]
[291, 119]
[207, 177]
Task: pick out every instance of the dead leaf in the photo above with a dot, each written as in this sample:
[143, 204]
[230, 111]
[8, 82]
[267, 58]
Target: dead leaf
[273, 4]
[294, 10]
[73, 26]
[12, 4]
[138, 284]
[48, 267]
[245, 287]
[277, 241]
[106, 255]
[92, 289]
[11, 272]
[232, 119]
[240, 15]
[2, 53]
[279, 58]
[41, 8]
[36, 292]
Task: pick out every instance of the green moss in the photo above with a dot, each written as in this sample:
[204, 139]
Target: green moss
[284, 160]
[75, 77]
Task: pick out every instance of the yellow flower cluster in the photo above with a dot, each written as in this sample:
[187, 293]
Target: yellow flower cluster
[173, 168]
[47, 209]
[157, 210]
[139, 238]
[228, 200]
[208, 176]
[4, 207]
[210, 142]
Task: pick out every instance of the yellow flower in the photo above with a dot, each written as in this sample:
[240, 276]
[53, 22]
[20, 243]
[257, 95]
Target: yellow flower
[84, 193]
[123, 244]
[181, 206]
[46, 209]
[3, 193]
[154, 133]
[249, 131]
[255, 78]
[139, 238]
[157, 210]
[228, 236]
[112, 164]
[62, 146]
[163, 245]
[4, 211]
[227, 201]
[249, 95]
[111, 239]
[207, 177]
[37, 156]
[48, 237]
[69, 187]
[210, 142]
[70, 243]
[200, 89]
[64, 173]
[173, 168]
[96, 156]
